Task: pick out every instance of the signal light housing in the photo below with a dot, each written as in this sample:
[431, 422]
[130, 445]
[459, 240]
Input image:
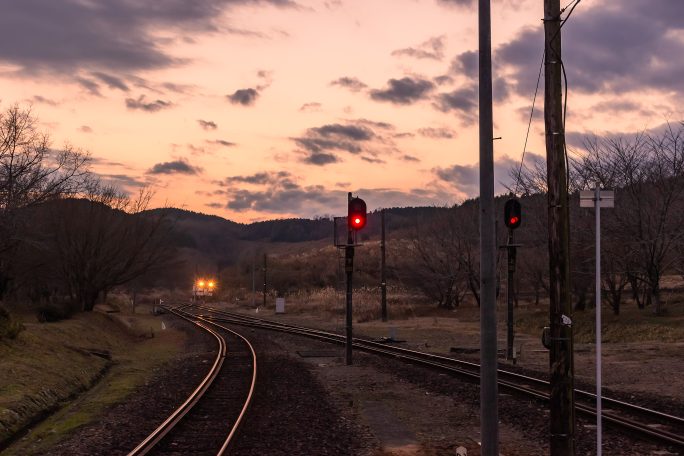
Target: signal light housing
[512, 213]
[356, 214]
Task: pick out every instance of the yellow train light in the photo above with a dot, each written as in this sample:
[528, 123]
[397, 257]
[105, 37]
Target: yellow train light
[211, 284]
[200, 283]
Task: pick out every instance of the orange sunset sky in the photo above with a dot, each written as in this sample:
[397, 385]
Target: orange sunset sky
[254, 110]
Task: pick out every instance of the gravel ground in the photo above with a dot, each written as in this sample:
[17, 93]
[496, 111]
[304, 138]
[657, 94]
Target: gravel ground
[307, 402]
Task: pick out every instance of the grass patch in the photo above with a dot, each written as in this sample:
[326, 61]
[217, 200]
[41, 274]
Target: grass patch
[632, 325]
[49, 364]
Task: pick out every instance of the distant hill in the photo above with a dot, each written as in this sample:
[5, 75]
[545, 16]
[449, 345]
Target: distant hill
[223, 242]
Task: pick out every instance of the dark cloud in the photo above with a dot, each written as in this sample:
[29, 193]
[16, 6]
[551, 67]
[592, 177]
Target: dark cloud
[463, 101]
[310, 107]
[111, 81]
[271, 192]
[318, 143]
[433, 48]
[214, 205]
[443, 79]
[466, 63]
[466, 178]
[174, 167]
[320, 159]
[456, 2]
[609, 48]
[152, 106]
[262, 178]
[372, 160]
[352, 84]
[404, 91]
[410, 158]
[207, 124]
[91, 86]
[66, 36]
[124, 179]
[43, 100]
[437, 133]
[244, 97]
[85, 129]
[222, 142]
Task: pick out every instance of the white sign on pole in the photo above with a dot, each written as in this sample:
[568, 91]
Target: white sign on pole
[604, 198]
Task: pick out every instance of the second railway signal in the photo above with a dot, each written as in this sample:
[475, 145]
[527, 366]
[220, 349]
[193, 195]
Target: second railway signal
[512, 213]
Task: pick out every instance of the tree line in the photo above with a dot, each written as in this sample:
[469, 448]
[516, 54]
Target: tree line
[67, 238]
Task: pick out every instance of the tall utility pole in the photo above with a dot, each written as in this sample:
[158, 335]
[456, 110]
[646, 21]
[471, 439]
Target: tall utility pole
[489, 412]
[562, 400]
[265, 272]
[383, 276]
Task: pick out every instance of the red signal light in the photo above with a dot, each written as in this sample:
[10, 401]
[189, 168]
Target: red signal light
[513, 220]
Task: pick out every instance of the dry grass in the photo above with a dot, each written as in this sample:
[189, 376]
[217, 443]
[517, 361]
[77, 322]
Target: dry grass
[50, 363]
[365, 303]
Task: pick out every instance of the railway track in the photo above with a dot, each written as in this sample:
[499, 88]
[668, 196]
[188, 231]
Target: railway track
[208, 419]
[661, 427]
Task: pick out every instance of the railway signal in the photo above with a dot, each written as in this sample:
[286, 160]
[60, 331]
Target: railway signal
[356, 213]
[512, 213]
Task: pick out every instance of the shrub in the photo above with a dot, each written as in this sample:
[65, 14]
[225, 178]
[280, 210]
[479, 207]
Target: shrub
[9, 329]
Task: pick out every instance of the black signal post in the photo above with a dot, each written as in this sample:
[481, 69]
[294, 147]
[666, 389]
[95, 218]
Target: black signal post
[512, 219]
[356, 219]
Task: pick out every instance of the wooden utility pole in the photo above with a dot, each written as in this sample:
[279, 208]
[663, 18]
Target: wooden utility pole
[265, 271]
[562, 401]
[383, 275]
[489, 412]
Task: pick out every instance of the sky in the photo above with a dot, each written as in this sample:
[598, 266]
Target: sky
[262, 109]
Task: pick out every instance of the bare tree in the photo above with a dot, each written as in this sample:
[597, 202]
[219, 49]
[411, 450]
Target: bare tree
[30, 173]
[105, 241]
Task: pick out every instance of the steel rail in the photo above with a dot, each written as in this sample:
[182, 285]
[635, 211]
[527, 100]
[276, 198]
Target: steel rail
[247, 403]
[448, 364]
[177, 415]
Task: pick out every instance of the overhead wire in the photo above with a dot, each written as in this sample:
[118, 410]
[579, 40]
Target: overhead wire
[571, 6]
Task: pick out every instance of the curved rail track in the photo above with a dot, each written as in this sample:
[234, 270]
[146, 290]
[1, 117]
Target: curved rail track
[661, 427]
[224, 394]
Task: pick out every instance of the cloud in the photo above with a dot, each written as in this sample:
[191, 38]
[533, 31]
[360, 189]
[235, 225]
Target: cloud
[463, 101]
[437, 133]
[466, 63]
[310, 107]
[373, 160]
[222, 142]
[65, 36]
[91, 86]
[244, 97]
[123, 180]
[410, 158]
[352, 84]
[43, 100]
[141, 104]
[320, 159]
[282, 193]
[466, 3]
[403, 91]
[85, 129]
[466, 178]
[111, 81]
[602, 52]
[433, 48]
[207, 124]
[318, 143]
[174, 167]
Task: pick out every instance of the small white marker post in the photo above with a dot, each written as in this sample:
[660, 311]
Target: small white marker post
[598, 199]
